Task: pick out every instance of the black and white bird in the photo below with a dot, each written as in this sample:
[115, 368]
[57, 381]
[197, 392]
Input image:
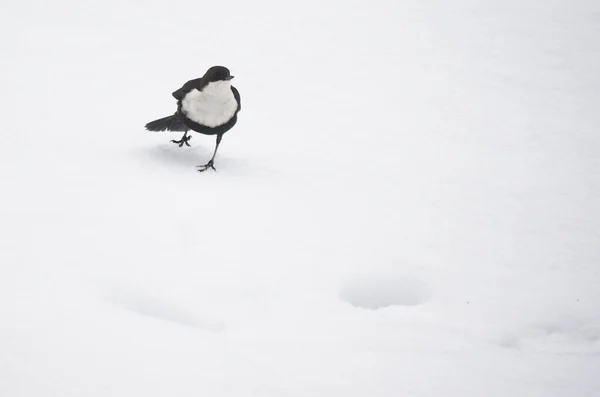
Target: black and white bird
[208, 105]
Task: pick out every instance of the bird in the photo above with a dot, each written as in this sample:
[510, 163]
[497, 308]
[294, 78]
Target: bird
[208, 105]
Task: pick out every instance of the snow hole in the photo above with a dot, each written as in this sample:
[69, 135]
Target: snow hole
[384, 291]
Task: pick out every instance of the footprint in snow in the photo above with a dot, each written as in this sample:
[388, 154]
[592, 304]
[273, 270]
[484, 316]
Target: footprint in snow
[165, 311]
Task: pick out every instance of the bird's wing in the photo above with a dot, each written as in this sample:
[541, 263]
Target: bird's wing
[187, 87]
[236, 95]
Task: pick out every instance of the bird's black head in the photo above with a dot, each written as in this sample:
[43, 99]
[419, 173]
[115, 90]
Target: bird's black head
[217, 73]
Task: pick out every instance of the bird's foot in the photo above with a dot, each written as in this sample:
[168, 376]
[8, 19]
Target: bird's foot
[184, 140]
[210, 164]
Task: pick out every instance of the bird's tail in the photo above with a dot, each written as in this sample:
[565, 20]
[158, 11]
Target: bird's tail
[169, 123]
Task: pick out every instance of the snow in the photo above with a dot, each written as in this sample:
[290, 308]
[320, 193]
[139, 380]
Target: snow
[407, 206]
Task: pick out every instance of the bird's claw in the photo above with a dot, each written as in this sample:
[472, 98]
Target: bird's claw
[202, 168]
[182, 141]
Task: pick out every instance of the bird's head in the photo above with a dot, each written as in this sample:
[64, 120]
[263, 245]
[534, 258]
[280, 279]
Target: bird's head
[217, 73]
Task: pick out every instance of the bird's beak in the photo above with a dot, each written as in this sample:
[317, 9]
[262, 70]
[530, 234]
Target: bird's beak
[230, 77]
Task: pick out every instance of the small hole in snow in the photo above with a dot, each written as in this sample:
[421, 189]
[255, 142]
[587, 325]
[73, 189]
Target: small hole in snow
[379, 292]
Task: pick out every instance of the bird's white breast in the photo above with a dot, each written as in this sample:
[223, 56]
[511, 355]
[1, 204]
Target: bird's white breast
[213, 106]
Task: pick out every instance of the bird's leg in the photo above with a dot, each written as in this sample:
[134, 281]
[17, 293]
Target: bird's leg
[210, 164]
[184, 139]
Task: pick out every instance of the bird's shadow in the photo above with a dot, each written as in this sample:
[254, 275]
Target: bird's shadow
[171, 155]
[167, 155]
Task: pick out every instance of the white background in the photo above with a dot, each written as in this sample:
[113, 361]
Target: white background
[408, 206]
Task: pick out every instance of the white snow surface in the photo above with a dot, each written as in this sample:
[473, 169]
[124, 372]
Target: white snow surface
[408, 206]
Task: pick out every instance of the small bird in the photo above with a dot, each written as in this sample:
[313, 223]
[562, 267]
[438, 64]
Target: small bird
[208, 105]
